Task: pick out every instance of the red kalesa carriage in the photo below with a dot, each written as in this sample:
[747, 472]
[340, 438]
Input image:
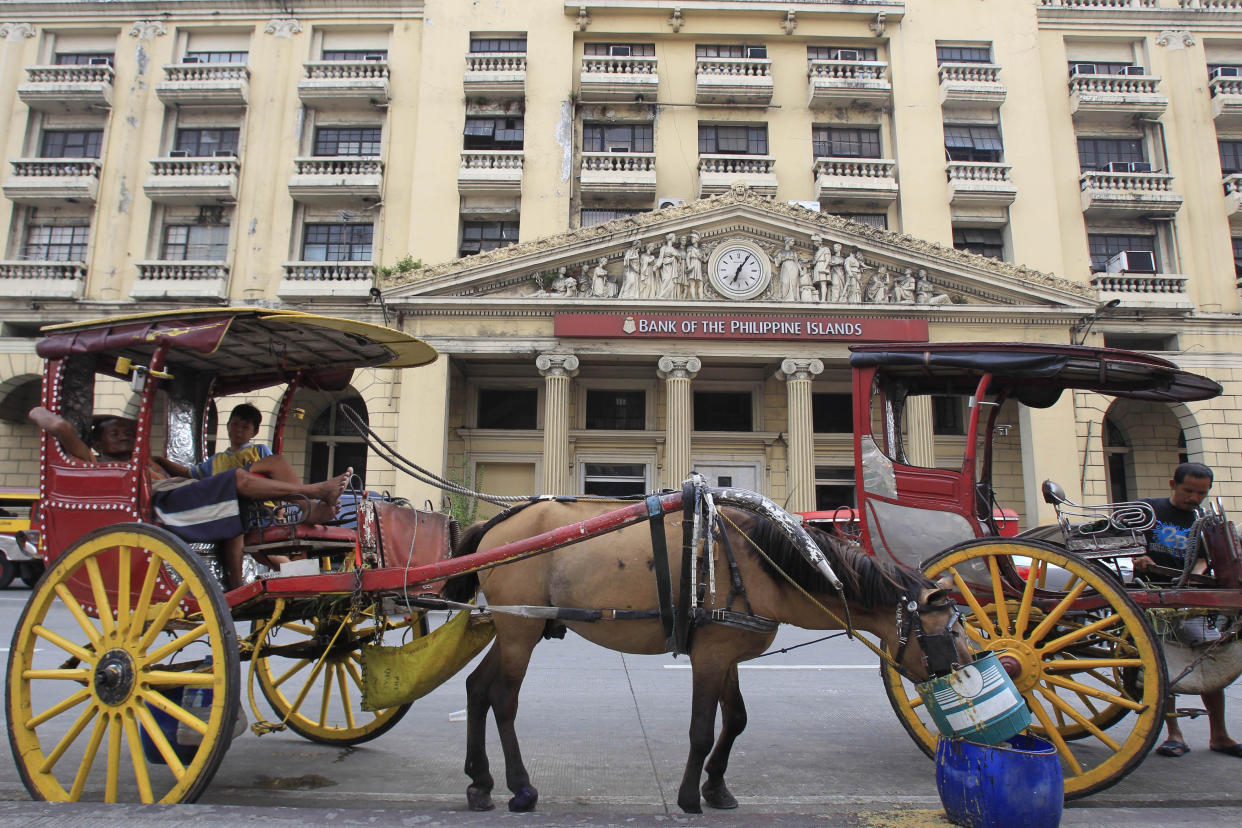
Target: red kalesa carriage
[125, 671]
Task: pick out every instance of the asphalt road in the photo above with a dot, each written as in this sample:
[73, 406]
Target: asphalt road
[604, 738]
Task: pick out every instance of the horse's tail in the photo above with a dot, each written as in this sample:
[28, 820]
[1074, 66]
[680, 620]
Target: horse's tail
[464, 587]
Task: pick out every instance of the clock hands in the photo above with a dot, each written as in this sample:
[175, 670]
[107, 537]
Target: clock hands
[737, 274]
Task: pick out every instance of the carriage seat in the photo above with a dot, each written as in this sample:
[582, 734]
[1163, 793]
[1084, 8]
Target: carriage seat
[294, 538]
[1108, 530]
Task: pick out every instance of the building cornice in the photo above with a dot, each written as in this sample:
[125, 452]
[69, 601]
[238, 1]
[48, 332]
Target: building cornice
[1132, 18]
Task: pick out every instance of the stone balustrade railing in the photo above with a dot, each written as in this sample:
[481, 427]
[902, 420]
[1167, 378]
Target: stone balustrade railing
[61, 271]
[1153, 182]
[186, 167]
[855, 167]
[69, 74]
[496, 62]
[183, 271]
[737, 164]
[847, 70]
[346, 69]
[618, 65]
[492, 160]
[966, 171]
[735, 67]
[202, 72]
[1134, 283]
[969, 73]
[329, 271]
[1233, 184]
[618, 162]
[1225, 86]
[1212, 5]
[1101, 4]
[55, 167]
[338, 165]
[1114, 84]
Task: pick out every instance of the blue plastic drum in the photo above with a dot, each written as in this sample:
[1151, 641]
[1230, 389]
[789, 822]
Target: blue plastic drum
[1017, 784]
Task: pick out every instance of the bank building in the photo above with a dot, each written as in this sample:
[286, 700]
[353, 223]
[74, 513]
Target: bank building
[642, 235]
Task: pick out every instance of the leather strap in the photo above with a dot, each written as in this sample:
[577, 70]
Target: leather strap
[659, 556]
[682, 627]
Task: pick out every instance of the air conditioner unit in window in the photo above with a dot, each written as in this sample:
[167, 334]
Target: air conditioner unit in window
[1140, 166]
[189, 59]
[374, 57]
[1133, 261]
[1118, 166]
[756, 51]
[620, 50]
[1132, 70]
[669, 202]
[100, 61]
[1226, 72]
[813, 206]
[1082, 69]
[178, 153]
[224, 153]
[847, 54]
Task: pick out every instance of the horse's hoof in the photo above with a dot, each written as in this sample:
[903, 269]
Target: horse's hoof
[690, 806]
[479, 799]
[719, 797]
[524, 799]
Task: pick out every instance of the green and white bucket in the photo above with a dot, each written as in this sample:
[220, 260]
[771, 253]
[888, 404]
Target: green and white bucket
[978, 702]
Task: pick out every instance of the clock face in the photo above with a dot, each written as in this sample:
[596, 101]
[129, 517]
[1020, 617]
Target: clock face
[740, 270]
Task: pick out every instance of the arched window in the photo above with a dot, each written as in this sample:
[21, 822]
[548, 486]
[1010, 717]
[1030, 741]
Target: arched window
[335, 445]
[1119, 458]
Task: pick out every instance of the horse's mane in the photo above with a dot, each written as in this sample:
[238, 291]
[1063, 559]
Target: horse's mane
[867, 580]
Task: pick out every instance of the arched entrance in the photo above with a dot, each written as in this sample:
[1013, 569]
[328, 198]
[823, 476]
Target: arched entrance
[1143, 442]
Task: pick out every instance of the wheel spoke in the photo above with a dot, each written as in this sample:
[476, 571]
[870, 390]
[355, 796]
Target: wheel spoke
[1076, 665]
[1064, 707]
[165, 613]
[139, 759]
[1054, 735]
[88, 758]
[161, 702]
[981, 617]
[1028, 596]
[58, 674]
[157, 737]
[1054, 614]
[1082, 632]
[58, 708]
[1077, 687]
[998, 595]
[69, 738]
[102, 606]
[288, 674]
[122, 588]
[349, 709]
[143, 605]
[81, 653]
[310, 682]
[181, 641]
[327, 694]
[167, 678]
[75, 609]
[354, 675]
[114, 757]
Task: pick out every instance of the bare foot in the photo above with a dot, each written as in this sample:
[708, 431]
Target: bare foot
[330, 490]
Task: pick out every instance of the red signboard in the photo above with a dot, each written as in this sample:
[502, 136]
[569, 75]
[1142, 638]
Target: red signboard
[821, 328]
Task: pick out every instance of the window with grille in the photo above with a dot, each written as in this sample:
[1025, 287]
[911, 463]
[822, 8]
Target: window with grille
[619, 49]
[617, 138]
[493, 133]
[56, 243]
[1230, 156]
[71, 143]
[614, 479]
[196, 242]
[717, 139]
[723, 411]
[948, 414]
[477, 236]
[963, 54]
[1104, 246]
[730, 50]
[497, 44]
[879, 220]
[335, 445]
[834, 53]
[972, 143]
[598, 215]
[203, 143]
[832, 413]
[508, 408]
[337, 243]
[82, 58]
[616, 409]
[845, 142]
[216, 57]
[355, 141]
[1097, 153]
[985, 241]
[355, 54]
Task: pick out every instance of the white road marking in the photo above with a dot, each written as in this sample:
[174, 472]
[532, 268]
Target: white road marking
[785, 666]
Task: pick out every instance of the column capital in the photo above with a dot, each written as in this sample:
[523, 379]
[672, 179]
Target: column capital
[679, 367]
[557, 365]
[800, 369]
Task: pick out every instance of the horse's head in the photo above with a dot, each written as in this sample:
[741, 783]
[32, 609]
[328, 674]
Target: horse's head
[930, 638]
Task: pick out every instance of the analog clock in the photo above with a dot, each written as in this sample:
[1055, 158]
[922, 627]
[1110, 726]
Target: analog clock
[739, 270]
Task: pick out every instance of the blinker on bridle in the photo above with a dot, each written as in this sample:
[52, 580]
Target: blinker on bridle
[939, 649]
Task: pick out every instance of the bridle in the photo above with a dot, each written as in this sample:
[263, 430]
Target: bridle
[939, 649]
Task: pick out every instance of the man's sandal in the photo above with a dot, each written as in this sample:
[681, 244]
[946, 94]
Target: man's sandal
[1174, 748]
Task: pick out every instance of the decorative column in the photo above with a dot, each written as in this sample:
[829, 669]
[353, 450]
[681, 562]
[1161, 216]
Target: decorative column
[800, 458]
[920, 439]
[556, 370]
[677, 372]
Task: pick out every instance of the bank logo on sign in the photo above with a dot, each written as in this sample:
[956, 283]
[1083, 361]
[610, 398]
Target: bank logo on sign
[629, 325]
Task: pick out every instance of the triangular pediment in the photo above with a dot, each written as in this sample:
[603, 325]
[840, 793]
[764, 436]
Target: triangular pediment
[678, 254]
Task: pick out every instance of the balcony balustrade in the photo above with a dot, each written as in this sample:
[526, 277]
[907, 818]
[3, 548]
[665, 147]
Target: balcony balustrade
[67, 88]
[1233, 198]
[733, 80]
[618, 173]
[205, 84]
[327, 280]
[617, 78]
[181, 280]
[332, 83]
[1149, 290]
[856, 180]
[193, 180]
[846, 82]
[42, 279]
[334, 178]
[495, 74]
[980, 183]
[491, 171]
[1115, 99]
[718, 173]
[971, 85]
[53, 180]
[1226, 101]
[1118, 195]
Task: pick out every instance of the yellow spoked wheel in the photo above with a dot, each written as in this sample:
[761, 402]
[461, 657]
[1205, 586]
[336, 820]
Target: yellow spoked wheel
[1076, 642]
[310, 673]
[137, 704]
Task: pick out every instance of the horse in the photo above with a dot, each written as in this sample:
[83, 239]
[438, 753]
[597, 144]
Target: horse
[615, 571]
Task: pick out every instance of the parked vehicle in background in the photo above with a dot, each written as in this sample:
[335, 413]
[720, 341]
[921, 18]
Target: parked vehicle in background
[19, 544]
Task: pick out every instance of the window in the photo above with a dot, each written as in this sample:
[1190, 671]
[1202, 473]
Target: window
[56, 242]
[72, 143]
[1102, 67]
[832, 413]
[723, 411]
[1141, 342]
[1104, 246]
[717, 139]
[972, 143]
[83, 58]
[845, 142]
[834, 487]
[948, 414]
[963, 54]
[509, 408]
[337, 243]
[616, 410]
[730, 51]
[215, 57]
[619, 49]
[335, 445]
[879, 220]
[204, 143]
[477, 236]
[358, 141]
[497, 44]
[493, 133]
[1237, 256]
[196, 242]
[985, 241]
[1096, 153]
[355, 54]
[1230, 156]
[616, 138]
[834, 53]
[614, 479]
[598, 215]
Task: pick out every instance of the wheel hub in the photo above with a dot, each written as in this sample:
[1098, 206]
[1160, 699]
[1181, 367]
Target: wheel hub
[114, 677]
[1020, 660]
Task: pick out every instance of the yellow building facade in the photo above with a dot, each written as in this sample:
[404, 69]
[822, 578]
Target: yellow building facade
[643, 234]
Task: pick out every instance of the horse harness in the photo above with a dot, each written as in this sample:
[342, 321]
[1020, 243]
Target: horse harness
[939, 650]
